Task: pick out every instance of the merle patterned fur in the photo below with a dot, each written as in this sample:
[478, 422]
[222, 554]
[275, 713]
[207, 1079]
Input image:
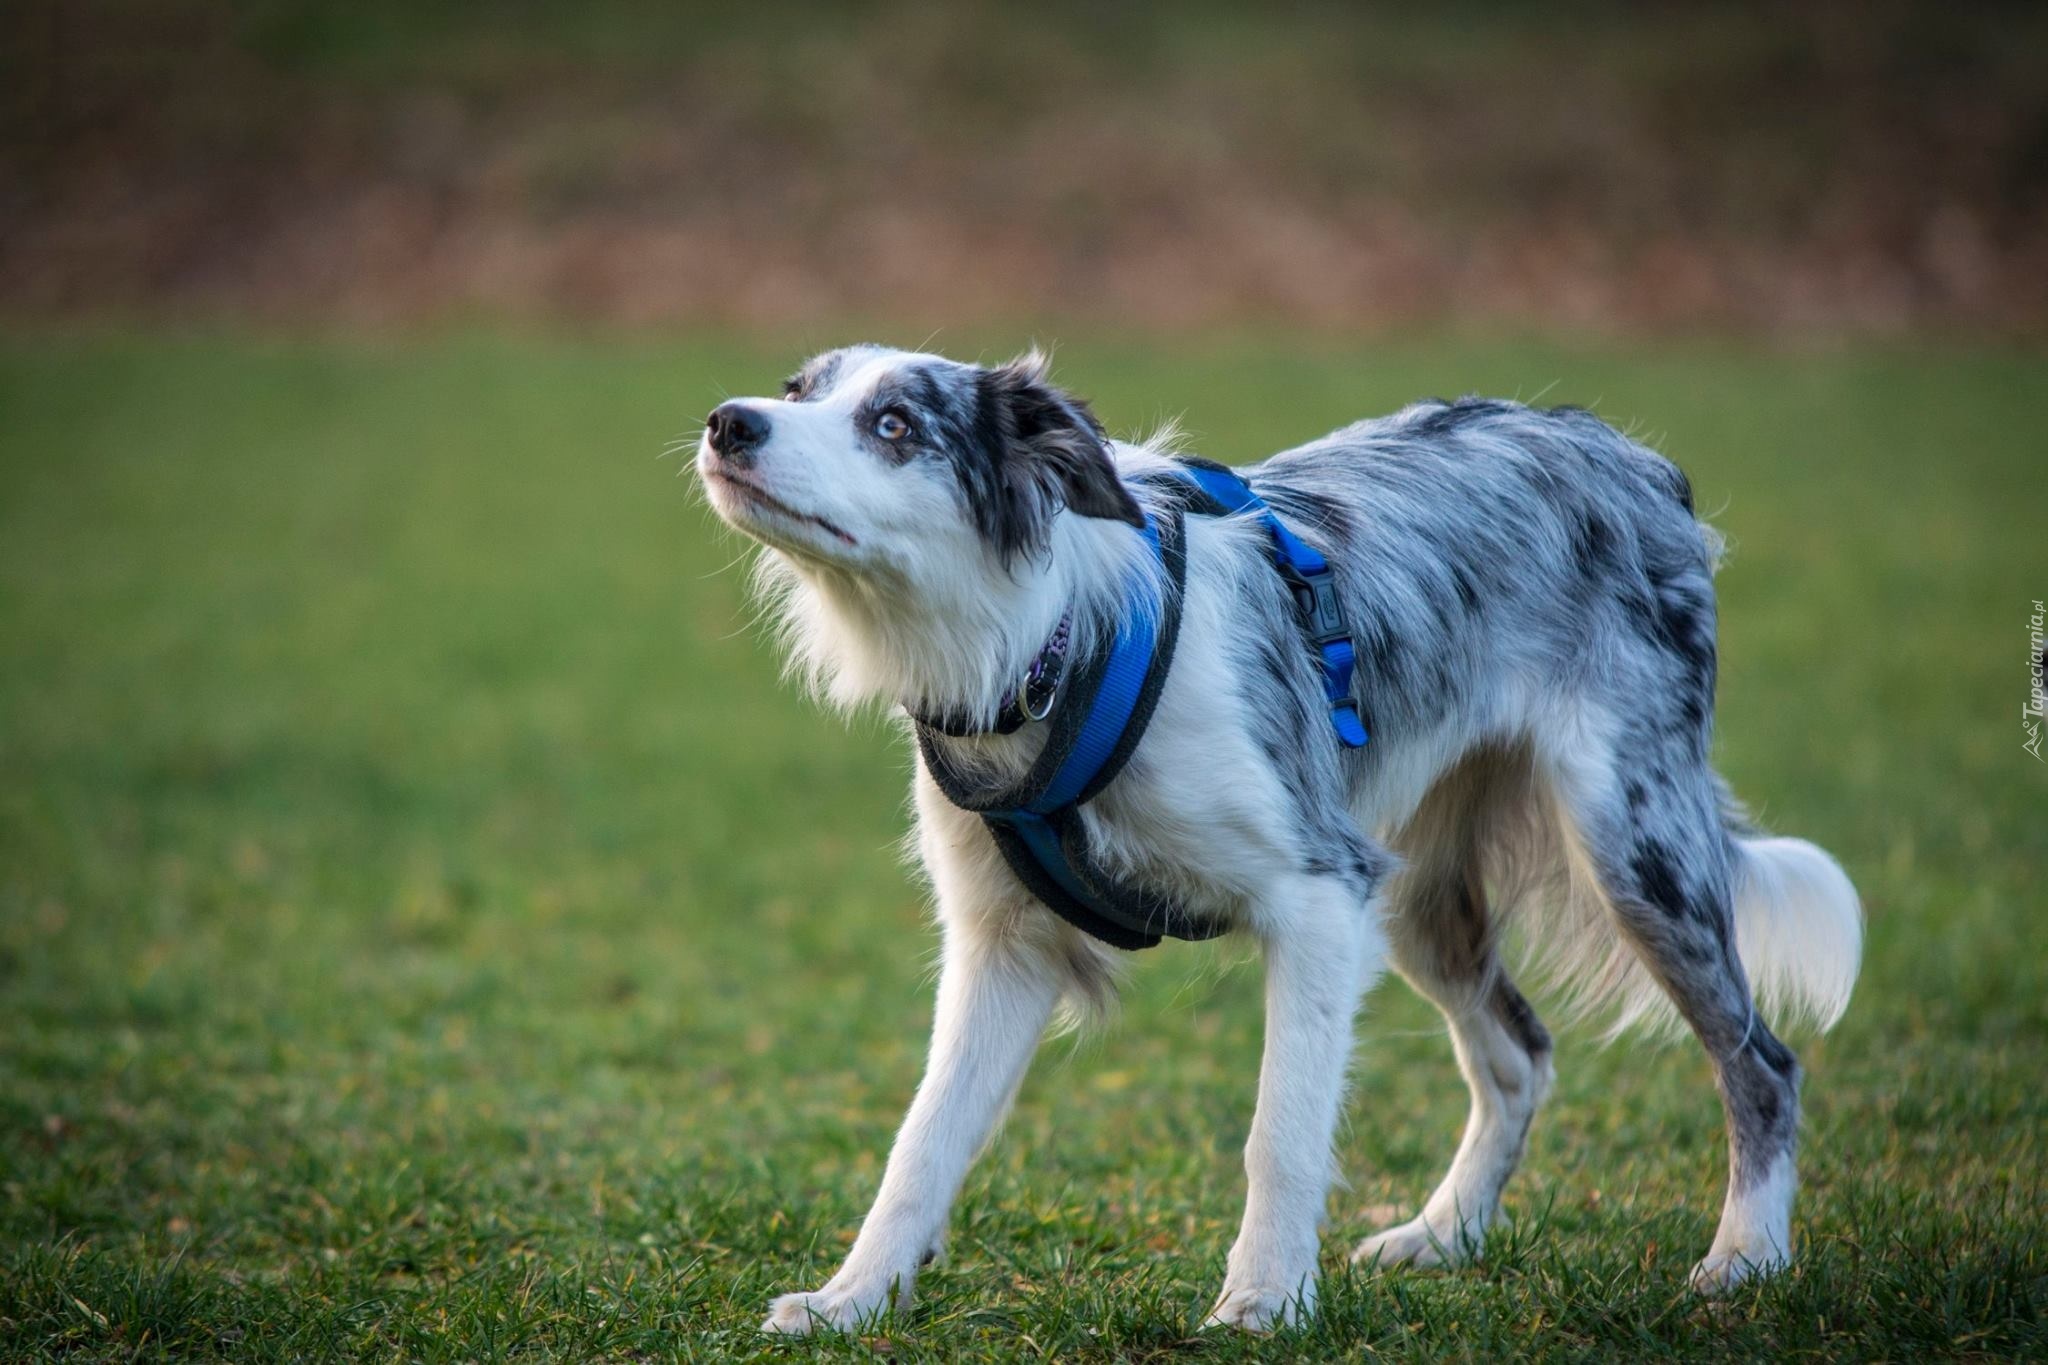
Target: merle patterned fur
[1532, 601]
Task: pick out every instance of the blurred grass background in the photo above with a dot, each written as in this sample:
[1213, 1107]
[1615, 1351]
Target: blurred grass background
[428, 929]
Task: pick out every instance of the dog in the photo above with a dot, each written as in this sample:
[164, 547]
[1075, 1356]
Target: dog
[1531, 595]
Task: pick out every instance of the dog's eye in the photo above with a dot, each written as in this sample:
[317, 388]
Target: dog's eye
[792, 390]
[892, 426]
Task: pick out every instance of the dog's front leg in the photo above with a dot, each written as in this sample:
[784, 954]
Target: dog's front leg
[995, 996]
[1323, 946]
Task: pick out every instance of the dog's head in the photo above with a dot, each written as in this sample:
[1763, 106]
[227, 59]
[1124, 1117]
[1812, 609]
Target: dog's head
[887, 463]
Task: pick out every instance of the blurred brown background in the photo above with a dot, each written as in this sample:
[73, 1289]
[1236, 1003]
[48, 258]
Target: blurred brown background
[1855, 168]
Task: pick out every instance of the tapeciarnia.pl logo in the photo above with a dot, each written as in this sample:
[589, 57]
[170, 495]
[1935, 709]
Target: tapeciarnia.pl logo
[2037, 684]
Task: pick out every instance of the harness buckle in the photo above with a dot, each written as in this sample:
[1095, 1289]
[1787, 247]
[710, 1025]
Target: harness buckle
[1316, 602]
[1322, 619]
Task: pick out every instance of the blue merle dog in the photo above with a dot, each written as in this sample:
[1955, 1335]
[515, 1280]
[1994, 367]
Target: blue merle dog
[1532, 599]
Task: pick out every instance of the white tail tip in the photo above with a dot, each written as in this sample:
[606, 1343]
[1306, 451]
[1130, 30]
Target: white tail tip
[1799, 930]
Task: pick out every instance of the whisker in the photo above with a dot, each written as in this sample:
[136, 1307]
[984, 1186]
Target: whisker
[727, 568]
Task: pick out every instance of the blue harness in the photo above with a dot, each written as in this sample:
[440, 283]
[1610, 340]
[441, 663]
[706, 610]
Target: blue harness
[1104, 711]
[1308, 574]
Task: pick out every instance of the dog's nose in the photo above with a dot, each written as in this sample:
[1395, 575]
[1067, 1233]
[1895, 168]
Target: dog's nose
[736, 430]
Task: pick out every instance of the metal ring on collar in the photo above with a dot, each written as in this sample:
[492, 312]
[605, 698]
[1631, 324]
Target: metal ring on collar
[1036, 696]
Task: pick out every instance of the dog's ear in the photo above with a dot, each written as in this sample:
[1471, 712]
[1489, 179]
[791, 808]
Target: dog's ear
[1052, 446]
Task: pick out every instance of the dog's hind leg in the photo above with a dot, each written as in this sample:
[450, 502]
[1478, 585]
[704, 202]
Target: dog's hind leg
[1442, 937]
[1441, 947]
[1655, 838]
[1323, 947]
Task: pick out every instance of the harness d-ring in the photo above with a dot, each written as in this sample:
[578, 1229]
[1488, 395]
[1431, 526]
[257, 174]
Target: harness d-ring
[1040, 688]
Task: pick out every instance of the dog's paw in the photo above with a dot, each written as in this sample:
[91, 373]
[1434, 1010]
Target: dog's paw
[1723, 1270]
[831, 1309]
[1416, 1243]
[1261, 1309]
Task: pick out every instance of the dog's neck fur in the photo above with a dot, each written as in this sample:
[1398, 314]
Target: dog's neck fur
[938, 640]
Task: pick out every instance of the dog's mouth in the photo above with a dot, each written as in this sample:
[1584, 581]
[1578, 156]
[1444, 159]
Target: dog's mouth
[756, 496]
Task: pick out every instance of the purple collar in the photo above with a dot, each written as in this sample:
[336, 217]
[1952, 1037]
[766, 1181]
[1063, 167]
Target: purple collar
[1030, 701]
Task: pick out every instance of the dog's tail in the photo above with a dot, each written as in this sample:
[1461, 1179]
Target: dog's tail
[1798, 931]
[1798, 928]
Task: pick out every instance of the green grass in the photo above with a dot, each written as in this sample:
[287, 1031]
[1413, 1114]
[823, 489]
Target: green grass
[429, 930]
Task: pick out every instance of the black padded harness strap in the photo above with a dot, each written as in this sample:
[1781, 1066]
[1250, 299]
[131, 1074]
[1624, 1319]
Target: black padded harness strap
[1122, 914]
[1036, 821]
